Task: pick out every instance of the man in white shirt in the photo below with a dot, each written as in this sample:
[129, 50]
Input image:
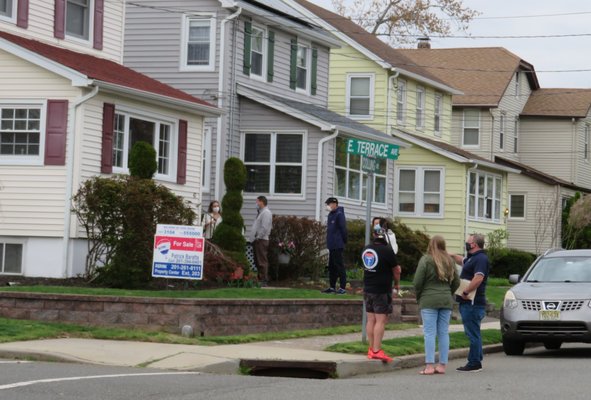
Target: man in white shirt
[259, 237]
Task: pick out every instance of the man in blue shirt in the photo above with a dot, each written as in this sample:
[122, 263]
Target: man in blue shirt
[475, 268]
[336, 238]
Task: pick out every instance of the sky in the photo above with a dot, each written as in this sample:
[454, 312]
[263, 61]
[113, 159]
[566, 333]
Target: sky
[550, 56]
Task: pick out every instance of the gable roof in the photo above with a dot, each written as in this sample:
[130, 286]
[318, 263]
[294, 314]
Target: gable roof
[481, 73]
[571, 103]
[380, 52]
[539, 175]
[91, 70]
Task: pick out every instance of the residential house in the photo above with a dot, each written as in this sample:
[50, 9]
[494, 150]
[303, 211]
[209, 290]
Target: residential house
[70, 111]
[438, 187]
[266, 65]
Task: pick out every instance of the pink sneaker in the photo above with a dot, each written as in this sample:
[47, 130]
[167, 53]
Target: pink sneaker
[379, 355]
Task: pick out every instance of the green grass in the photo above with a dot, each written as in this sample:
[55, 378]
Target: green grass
[496, 295]
[415, 344]
[497, 282]
[225, 293]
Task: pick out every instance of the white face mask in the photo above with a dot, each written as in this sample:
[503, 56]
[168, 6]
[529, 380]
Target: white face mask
[216, 209]
[328, 208]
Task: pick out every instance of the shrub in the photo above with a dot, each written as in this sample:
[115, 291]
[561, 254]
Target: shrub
[510, 261]
[142, 160]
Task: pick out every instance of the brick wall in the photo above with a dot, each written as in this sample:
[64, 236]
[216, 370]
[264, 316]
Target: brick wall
[208, 317]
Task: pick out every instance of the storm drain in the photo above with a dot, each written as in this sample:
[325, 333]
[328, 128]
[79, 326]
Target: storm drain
[290, 369]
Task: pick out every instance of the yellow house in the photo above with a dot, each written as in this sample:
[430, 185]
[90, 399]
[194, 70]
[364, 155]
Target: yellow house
[437, 188]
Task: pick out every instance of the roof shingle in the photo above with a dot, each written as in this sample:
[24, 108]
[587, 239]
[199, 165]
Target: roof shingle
[572, 103]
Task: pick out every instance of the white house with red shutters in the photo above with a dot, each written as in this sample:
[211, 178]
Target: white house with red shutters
[70, 111]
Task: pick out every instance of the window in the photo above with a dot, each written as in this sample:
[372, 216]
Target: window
[517, 206]
[257, 52]
[484, 196]
[420, 114]
[360, 96]
[351, 180]
[302, 68]
[437, 114]
[274, 162]
[6, 7]
[130, 129]
[516, 136]
[401, 102]
[471, 129]
[198, 48]
[20, 133]
[11, 258]
[502, 131]
[78, 18]
[420, 191]
[206, 160]
[586, 140]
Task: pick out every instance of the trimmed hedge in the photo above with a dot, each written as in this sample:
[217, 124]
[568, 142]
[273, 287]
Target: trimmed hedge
[510, 261]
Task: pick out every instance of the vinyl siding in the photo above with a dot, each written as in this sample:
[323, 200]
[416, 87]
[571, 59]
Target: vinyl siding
[41, 28]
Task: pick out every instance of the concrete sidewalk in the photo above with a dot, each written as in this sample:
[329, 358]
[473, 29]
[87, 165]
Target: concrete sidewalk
[223, 359]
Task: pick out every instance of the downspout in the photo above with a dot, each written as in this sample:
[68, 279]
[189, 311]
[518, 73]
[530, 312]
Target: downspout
[70, 175]
[218, 133]
[492, 134]
[466, 222]
[573, 164]
[389, 100]
[319, 170]
[557, 221]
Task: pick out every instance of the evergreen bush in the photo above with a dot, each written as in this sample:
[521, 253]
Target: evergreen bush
[142, 160]
[505, 262]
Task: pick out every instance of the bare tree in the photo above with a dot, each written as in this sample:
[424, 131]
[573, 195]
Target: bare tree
[546, 223]
[403, 20]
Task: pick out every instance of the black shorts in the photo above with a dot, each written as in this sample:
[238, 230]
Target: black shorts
[378, 303]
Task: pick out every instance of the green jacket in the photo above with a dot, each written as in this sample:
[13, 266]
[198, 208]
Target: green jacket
[432, 292]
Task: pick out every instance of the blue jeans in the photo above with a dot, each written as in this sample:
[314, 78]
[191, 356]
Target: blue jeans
[436, 324]
[472, 315]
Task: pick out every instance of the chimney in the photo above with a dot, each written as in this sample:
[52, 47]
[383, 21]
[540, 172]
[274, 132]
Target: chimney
[424, 43]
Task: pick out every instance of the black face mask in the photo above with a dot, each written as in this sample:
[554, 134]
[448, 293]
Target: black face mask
[468, 246]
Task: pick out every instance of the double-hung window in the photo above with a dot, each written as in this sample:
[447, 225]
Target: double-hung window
[11, 258]
[401, 102]
[420, 191]
[516, 136]
[21, 141]
[131, 128]
[257, 52]
[6, 9]
[438, 106]
[420, 109]
[471, 128]
[360, 96]
[198, 47]
[274, 162]
[78, 18]
[303, 68]
[502, 131]
[351, 180]
[484, 196]
[586, 141]
[517, 206]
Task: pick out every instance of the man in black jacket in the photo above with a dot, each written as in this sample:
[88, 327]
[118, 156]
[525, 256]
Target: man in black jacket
[336, 239]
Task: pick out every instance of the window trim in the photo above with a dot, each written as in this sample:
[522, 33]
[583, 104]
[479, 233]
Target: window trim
[265, 49]
[158, 119]
[13, 12]
[185, 24]
[73, 38]
[11, 240]
[371, 77]
[308, 47]
[420, 108]
[471, 146]
[206, 152]
[502, 130]
[475, 217]
[437, 114]
[28, 160]
[274, 133]
[510, 216]
[401, 101]
[420, 194]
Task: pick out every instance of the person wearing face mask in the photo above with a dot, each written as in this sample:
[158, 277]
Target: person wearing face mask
[211, 219]
[475, 268]
[259, 237]
[381, 224]
[336, 239]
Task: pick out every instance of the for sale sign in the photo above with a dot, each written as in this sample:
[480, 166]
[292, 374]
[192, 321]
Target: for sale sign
[178, 252]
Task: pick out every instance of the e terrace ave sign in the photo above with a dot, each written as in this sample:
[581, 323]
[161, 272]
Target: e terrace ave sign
[373, 149]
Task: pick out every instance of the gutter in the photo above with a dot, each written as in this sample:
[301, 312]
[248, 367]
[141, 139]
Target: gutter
[71, 137]
[319, 171]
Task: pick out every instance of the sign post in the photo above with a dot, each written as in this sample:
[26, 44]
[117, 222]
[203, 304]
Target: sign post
[178, 252]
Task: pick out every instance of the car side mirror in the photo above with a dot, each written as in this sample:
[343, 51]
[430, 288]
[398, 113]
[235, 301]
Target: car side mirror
[514, 278]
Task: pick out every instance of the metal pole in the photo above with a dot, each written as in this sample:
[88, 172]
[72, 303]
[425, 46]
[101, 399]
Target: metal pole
[368, 198]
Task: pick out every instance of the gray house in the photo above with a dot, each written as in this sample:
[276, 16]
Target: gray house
[266, 66]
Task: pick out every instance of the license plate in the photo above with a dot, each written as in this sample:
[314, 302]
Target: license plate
[549, 315]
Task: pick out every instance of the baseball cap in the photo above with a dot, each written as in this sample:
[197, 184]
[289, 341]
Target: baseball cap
[331, 200]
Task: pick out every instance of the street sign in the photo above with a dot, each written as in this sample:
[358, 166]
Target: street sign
[373, 149]
[178, 252]
[369, 164]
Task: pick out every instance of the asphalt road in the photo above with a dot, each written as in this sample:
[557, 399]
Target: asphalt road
[539, 374]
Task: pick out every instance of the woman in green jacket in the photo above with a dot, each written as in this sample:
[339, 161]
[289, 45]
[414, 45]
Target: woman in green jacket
[436, 279]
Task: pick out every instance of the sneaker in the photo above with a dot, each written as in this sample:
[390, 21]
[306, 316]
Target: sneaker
[470, 368]
[379, 355]
[328, 291]
[341, 291]
[369, 352]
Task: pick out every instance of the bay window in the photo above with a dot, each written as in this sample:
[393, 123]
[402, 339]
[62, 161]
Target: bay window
[484, 196]
[420, 191]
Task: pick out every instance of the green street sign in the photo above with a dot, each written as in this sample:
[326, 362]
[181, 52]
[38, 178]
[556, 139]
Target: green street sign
[373, 149]
[370, 164]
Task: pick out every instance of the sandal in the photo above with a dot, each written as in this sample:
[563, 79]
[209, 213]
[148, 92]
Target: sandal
[439, 371]
[426, 371]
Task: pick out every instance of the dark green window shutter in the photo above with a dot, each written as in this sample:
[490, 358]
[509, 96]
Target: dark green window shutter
[314, 72]
[247, 48]
[270, 56]
[293, 63]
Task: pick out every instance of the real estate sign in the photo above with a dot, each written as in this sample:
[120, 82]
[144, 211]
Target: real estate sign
[373, 149]
[178, 252]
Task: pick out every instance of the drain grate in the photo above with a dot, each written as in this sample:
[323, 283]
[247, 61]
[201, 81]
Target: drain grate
[290, 369]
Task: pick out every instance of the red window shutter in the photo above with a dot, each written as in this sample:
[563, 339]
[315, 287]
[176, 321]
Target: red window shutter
[56, 132]
[59, 19]
[107, 146]
[22, 14]
[181, 169]
[99, 12]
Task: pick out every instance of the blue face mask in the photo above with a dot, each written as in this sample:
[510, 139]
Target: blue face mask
[377, 227]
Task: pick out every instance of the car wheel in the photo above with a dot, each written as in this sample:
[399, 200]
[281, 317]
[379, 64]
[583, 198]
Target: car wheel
[552, 345]
[513, 347]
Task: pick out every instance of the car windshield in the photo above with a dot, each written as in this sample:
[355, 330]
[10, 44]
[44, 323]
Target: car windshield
[561, 269]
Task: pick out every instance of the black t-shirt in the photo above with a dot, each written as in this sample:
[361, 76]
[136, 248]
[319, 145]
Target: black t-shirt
[378, 261]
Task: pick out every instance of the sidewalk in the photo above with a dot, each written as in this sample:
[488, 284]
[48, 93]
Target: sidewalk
[223, 359]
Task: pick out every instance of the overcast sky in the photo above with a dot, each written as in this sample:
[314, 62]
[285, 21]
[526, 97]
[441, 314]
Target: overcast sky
[546, 54]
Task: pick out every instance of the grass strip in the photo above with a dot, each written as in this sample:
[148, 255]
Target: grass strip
[415, 344]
